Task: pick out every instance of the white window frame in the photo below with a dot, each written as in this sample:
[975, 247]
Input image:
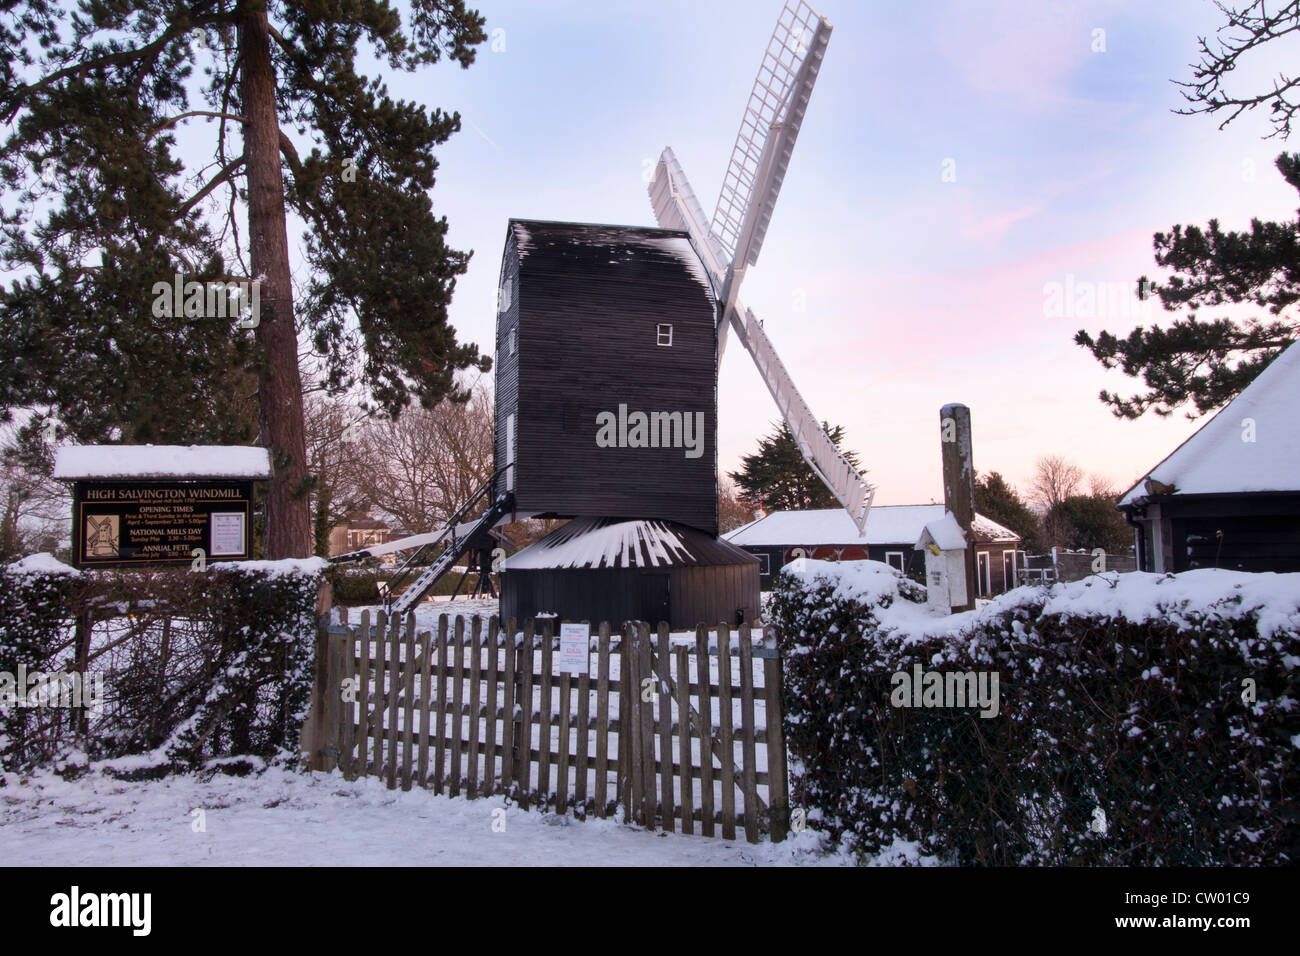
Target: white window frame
[764, 563]
[1009, 582]
[985, 580]
[902, 560]
[511, 446]
[514, 341]
[659, 333]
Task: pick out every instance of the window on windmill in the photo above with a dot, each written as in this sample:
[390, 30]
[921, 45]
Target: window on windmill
[665, 333]
[514, 341]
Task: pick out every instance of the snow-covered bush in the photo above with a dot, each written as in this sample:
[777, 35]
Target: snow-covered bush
[195, 666]
[1141, 719]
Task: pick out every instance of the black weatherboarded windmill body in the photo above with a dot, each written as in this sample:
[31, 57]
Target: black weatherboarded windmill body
[606, 412]
[606, 377]
[608, 344]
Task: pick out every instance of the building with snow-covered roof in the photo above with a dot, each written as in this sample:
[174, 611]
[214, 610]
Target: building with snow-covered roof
[891, 535]
[1229, 496]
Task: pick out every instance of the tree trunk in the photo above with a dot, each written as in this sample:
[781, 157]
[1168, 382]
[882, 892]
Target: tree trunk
[280, 415]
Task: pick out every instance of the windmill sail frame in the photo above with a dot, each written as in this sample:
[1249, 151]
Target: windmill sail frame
[731, 243]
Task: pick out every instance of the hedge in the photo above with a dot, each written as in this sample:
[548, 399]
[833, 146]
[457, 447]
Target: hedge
[197, 667]
[1129, 731]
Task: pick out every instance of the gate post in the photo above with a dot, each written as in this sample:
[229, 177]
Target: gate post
[320, 732]
[629, 734]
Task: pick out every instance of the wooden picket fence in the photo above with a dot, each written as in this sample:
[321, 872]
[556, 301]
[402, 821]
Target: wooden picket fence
[476, 709]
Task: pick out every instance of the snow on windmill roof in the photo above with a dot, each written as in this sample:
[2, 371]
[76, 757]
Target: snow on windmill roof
[192, 462]
[1220, 457]
[886, 524]
[605, 244]
[614, 543]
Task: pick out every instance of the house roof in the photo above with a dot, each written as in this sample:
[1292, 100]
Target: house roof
[183, 462]
[367, 524]
[1219, 459]
[886, 524]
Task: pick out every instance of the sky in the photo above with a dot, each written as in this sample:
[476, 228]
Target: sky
[956, 159]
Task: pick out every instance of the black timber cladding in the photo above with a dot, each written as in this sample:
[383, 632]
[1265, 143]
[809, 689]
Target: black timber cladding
[586, 303]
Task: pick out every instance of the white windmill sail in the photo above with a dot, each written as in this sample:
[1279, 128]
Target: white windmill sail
[768, 129]
[732, 242]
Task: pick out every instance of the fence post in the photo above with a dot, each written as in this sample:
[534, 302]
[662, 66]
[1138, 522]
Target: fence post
[84, 626]
[646, 721]
[629, 726]
[778, 784]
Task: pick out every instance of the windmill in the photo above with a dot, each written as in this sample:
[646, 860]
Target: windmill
[730, 244]
[608, 345]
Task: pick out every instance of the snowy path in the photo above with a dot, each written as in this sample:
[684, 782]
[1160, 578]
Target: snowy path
[287, 819]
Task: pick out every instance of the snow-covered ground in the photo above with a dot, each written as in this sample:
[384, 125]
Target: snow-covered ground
[429, 610]
[281, 818]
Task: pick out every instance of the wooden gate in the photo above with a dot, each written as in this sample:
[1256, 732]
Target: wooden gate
[653, 734]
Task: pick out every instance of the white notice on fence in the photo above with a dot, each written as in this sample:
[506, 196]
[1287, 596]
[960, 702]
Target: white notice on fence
[574, 645]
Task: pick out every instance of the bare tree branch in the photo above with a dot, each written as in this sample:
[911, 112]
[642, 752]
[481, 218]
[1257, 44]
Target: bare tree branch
[1205, 91]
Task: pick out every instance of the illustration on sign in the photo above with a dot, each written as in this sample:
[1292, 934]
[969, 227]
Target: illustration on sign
[101, 536]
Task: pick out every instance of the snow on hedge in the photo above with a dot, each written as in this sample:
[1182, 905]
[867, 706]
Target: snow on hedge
[1135, 596]
[45, 563]
[42, 563]
[1168, 701]
[309, 567]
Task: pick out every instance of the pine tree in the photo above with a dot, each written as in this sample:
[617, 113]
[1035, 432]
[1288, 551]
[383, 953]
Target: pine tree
[1208, 363]
[99, 208]
[777, 477]
[996, 500]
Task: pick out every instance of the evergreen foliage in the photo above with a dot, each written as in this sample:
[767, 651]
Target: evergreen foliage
[777, 477]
